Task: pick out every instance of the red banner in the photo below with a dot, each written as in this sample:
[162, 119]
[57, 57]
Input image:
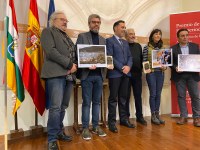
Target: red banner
[191, 21]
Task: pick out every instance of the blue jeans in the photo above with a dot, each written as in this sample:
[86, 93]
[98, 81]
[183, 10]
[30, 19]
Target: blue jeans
[91, 91]
[155, 82]
[193, 90]
[59, 91]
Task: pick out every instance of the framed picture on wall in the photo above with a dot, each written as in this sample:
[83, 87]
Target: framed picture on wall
[89, 55]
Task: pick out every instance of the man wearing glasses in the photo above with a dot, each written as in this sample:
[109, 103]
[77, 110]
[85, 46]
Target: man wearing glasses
[91, 80]
[58, 72]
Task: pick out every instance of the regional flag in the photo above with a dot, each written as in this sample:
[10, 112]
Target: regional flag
[51, 10]
[14, 67]
[33, 60]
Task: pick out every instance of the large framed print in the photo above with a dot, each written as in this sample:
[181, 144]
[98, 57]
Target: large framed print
[189, 62]
[162, 57]
[89, 55]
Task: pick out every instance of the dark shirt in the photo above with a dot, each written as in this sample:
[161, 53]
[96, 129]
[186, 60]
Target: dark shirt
[95, 41]
[136, 52]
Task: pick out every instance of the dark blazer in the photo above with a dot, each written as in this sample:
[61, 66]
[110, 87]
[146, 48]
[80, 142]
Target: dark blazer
[175, 76]
[57, 59]
[121, 56]
[86, 38]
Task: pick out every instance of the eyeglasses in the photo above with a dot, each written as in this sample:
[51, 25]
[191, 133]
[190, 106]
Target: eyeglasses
[96, 22]
[63, 19]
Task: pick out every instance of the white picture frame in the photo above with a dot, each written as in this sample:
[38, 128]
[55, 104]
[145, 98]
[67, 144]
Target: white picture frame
[89, 55]
[162, 57]
[146, 67]
[189, 62]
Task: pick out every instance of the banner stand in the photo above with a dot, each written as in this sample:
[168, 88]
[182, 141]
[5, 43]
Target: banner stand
[178, 115]
[191, 21]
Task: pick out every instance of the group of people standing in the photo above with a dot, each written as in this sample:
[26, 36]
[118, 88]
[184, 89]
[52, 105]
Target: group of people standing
[60, 71]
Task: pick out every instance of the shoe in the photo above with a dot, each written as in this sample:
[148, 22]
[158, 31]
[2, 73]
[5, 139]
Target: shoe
[53, 146]
[127, 124]
[154, 119]
[196, 122]
[181, 121]
[64, 137]
[86, 134]
[158, 117]
[112, 128]
[141, 120]
[98, 131]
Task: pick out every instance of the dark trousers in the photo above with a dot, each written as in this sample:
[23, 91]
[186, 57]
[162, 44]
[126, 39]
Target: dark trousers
[136, 83]
[193, 89]
[118, 94]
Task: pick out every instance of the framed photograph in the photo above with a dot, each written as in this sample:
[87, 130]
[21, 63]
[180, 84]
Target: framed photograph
[89, 55]
[146, 67]
[110, 62]
[161, 57]
[189, 63]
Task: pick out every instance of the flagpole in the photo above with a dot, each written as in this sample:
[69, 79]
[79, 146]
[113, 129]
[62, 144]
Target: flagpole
[5, 88]
[16, 121]
[36, 117]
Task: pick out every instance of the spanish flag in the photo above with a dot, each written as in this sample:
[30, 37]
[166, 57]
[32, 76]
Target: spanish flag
[33, 60]
[14, 64]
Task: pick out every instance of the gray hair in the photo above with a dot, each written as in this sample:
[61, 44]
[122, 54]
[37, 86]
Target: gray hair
[93, 16]
[53, 17]
[128, 30]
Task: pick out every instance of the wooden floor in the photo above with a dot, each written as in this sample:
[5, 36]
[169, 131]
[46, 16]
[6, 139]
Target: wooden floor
[151, 137]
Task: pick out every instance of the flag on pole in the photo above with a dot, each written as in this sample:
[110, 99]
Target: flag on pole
[51, 10]
[14, 67]
[33, 60]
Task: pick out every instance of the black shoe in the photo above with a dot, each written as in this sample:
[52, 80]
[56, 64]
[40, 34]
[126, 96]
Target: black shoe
[141, 120]
[53, 146]
[64, 137]
[127, 124]
[112, 128]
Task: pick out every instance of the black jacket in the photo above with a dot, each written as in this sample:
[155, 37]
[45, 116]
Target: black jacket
[175, 76]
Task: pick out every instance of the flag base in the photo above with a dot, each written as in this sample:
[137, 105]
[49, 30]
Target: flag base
[15, 134]
[37, 130]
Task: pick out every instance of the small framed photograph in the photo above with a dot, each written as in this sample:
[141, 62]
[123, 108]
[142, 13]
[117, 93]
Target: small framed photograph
[161, 57]
[110, 62]
[89, 55]
[189, 63]
[146, 67]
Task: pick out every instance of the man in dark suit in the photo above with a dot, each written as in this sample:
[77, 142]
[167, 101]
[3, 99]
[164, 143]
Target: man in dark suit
[91, 80]
[136, 75]
[186, 79]
[118, 78]
[58, 68]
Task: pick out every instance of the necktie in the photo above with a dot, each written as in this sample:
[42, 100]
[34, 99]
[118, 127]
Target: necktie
[121, 42]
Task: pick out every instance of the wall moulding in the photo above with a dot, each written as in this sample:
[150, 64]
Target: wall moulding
[73, 33]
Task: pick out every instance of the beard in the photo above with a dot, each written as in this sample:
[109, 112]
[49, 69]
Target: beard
[95, 31]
